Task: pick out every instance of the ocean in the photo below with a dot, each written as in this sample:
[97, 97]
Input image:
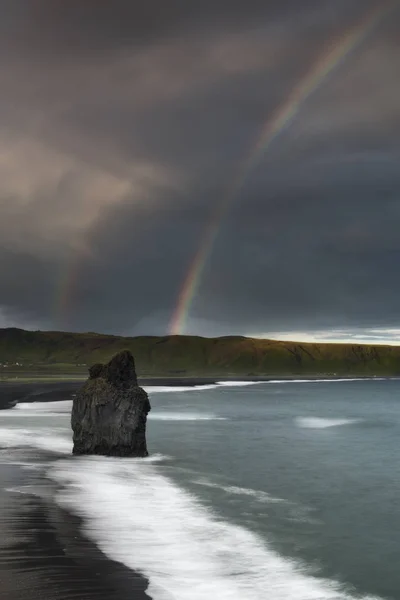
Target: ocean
[282, 490]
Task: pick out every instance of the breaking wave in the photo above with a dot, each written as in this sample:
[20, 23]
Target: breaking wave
[143, 520]
[39, 409]
[238, 383]
[258, 495]
[183, 416]
[332, 380]
[322, 423]
[57, 409]
[43, 439]
[157, 389]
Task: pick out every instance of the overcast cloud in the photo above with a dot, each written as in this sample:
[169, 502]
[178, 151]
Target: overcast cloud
[123, 123]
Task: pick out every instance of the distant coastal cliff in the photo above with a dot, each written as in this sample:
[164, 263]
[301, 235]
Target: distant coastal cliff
[187, 356]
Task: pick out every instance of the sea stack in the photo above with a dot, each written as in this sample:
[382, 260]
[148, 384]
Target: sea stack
[109, 412]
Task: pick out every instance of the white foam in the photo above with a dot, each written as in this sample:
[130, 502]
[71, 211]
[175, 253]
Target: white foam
[297, 512]
[43, 439]
[183, 416]
[322, 423]
[16, 491]
[51, 409]
[156, 389]
[258, 495]
[24, 465]
[60, 406]
[49, 440]
[153, 458]
[64, 407]
[325, 380]
[194, 388]
[238, 383]
[31, 490]
[143, 520]
[39, 409]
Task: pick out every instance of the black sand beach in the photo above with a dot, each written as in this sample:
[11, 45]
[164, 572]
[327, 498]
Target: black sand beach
[13, 392]
[43, 553]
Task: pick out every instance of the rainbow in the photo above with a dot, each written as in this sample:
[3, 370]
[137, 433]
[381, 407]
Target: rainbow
[67, 284]
[279, 122]
[65, 292]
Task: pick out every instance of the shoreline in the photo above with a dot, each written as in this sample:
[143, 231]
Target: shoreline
[195, 379]
[45, 554]
[17, 391]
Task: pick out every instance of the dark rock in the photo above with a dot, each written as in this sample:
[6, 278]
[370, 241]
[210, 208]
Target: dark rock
[96, 371]
[121, 370]
[109, 412]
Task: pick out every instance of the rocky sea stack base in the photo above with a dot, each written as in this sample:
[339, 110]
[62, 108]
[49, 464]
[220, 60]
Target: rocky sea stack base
[109, 412]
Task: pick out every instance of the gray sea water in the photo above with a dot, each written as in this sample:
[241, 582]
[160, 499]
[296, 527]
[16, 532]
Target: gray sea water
[280, 490]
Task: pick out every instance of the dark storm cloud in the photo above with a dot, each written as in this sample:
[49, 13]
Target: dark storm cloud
[83, 26]
[122, 125]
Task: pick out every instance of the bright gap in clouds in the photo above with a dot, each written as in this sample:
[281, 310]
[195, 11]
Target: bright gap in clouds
[381, 336]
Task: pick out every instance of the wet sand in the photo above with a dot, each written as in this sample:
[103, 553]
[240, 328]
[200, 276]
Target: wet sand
[12, 392]
[43, 553]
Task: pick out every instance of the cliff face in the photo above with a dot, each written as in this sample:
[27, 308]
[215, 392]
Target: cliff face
[109, 412]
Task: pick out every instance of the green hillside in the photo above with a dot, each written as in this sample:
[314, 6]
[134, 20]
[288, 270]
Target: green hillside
[179, 356]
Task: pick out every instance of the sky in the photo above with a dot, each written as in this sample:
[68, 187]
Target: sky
[127, 128]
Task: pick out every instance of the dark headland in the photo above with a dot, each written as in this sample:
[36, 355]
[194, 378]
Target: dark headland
[175, 358]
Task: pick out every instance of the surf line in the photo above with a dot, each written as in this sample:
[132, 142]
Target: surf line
[274, 127]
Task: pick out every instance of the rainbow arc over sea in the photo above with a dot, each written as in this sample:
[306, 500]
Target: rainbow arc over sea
[275, 125]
